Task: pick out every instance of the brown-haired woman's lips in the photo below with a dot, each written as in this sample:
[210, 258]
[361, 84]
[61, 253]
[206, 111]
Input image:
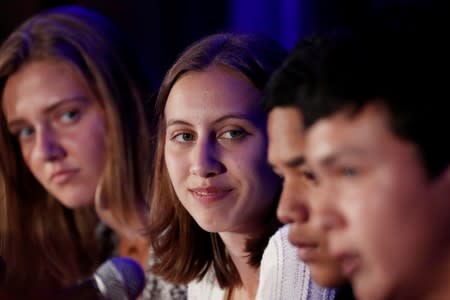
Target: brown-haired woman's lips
[210, 193]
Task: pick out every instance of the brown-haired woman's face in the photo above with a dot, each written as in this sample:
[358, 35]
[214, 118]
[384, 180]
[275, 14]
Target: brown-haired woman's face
[215, 150]
[59, 127]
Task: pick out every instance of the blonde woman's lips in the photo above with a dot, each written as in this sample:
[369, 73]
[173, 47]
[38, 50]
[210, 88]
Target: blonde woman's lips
[62, 176]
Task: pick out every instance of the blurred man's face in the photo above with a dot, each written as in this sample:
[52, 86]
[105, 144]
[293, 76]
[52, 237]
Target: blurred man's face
[285, 130]
[388, 223]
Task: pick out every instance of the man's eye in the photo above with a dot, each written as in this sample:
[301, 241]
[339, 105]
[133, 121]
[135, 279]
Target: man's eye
[348, 171]
[309, 175]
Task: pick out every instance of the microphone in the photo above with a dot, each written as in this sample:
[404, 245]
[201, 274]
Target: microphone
[119, 278]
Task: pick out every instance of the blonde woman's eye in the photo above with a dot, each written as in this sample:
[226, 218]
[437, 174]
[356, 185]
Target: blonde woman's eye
[70, 116]
[25, 133]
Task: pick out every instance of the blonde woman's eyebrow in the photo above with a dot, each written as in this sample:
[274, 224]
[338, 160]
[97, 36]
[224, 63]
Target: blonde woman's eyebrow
[19, 122]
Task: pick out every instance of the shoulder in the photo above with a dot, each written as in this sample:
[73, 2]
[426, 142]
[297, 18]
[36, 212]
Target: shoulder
[158, 289]
[283, 275]
[207, 288]
[280, 256]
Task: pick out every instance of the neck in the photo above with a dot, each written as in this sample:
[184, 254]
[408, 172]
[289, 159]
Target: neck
[235, 244]
[440, 289]
[430, 284]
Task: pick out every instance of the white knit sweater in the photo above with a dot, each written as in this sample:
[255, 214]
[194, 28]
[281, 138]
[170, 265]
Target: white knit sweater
[282, 276]
[207, 288]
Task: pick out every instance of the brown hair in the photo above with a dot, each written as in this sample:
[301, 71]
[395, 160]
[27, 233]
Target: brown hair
[183, 250]
[41, 240]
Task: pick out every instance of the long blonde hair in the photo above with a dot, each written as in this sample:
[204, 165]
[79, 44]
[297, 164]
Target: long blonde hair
[41, 240]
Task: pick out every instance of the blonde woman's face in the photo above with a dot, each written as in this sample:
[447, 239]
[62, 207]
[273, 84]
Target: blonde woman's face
[215, 150]
[59, 127]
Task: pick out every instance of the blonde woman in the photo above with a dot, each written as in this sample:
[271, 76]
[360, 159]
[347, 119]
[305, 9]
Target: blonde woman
[75, 140]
